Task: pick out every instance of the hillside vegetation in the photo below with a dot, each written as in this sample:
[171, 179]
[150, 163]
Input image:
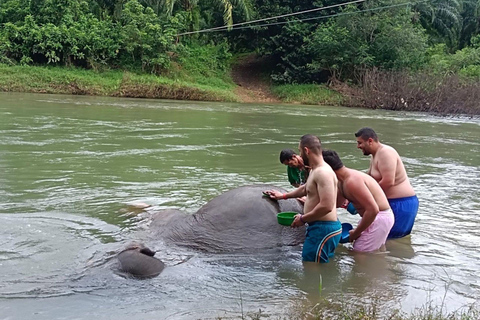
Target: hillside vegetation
[393, 54]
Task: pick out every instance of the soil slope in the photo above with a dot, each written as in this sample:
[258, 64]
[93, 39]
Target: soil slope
[253, 85]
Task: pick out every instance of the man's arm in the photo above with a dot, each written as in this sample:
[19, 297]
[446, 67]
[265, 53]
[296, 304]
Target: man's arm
[291, 177]
[326, 193]
[387, 165]
[361, 195]
[342, 202]
[369, 171]
[297, 193]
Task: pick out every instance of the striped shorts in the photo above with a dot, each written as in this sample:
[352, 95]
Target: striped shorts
[321, 240]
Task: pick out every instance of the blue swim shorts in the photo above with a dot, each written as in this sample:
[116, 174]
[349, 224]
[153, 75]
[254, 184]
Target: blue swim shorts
[405, 211]
[321, 240]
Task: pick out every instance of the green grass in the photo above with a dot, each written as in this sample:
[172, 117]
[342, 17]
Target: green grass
[186, 79]
[58, 80]
[111, 83]
[307, 94]
[343, 310]
[150, 86]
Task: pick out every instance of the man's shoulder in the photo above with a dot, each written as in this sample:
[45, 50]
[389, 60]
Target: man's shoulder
[386, 152]
[386, 149]
[323, 170]
[356, 177]
[323, 167]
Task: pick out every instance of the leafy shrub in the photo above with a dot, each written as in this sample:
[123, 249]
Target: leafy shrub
[465, 62]
[64, 32]
[350, 43]
[202, 63]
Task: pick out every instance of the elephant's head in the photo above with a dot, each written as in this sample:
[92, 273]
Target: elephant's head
[138, 261]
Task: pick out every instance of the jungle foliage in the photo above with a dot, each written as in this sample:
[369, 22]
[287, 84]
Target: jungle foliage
[342, 42]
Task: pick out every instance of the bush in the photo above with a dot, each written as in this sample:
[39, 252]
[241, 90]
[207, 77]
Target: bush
[350, 43]
[206, 64]
[64, 32]
[421, 91]
[465, 62]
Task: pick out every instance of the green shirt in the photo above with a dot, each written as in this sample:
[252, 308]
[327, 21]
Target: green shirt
[296, 176]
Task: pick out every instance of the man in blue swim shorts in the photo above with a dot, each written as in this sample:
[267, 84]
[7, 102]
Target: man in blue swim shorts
[324, 230]
[387, 168]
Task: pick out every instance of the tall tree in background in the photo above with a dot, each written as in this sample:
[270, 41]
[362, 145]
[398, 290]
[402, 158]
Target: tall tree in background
[190, 7]
[471, 22]
[442, 19]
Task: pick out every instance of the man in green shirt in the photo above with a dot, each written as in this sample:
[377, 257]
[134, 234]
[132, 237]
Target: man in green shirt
[296, 171]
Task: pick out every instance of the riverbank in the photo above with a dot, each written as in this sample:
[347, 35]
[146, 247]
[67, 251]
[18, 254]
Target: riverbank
[242, 85]
[248, 82]
[116, 83]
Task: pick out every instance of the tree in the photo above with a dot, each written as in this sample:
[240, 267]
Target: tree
[227, 6]
[442, 19]
[471, 22]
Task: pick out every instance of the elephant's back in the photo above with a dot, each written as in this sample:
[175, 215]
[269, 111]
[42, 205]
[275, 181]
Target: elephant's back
[241, 219]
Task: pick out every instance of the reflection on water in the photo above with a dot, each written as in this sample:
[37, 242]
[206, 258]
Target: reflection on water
[73, 168]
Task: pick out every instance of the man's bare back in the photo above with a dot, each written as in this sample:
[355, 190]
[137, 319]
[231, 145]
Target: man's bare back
[369, 200]
[353, 188]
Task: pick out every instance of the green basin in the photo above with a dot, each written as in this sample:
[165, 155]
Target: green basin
[286, 218]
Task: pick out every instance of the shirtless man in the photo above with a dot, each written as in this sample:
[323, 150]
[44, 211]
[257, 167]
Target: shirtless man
[387, 168]
[369, 200]
[324, 230]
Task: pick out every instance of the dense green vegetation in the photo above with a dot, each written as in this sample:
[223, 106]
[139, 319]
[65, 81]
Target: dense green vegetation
[342, 45]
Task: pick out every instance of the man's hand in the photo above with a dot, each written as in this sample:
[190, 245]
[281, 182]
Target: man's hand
[352, 237]
[274, 194]
[297, 222]
[302, 200]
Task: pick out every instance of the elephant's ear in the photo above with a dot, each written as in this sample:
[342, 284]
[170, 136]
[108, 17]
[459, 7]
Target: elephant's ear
[147, 252]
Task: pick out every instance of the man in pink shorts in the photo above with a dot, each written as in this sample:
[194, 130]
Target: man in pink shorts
[367, 196]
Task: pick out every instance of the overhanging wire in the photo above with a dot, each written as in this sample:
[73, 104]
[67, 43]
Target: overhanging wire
[233, 27]
[271, 18]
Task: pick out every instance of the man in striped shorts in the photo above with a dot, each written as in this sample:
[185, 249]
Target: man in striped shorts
[324, 230]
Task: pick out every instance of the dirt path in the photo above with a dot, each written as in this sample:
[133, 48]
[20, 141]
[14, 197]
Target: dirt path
[252, 85]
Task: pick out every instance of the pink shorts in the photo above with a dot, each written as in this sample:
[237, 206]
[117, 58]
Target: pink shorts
[376, 234]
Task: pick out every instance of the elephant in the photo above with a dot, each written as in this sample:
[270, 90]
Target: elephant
[239, 220]
[138, 261]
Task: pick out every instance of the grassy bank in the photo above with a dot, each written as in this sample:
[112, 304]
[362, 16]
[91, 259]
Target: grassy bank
[178, 84]
[307, 94]
[110, 83]
[379, 90]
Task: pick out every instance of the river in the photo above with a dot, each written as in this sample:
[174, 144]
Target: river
[72, 167]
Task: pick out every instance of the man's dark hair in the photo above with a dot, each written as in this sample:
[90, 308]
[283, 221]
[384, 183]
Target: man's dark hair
[332, 158]
[286, 154]
[366, 133]
[311, 142]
